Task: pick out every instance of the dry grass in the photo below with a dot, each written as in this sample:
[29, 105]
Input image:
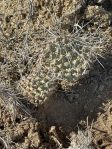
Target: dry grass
[25, 36]
[3, 143]
[27, 29]
[12, 102]
[24, 33]
[83, 140]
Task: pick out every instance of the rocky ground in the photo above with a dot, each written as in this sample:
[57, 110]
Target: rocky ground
[76, 118]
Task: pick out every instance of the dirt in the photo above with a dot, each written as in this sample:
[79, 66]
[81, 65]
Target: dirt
[86, 105]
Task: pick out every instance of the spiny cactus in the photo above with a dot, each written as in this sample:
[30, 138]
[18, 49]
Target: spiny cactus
[65, 59]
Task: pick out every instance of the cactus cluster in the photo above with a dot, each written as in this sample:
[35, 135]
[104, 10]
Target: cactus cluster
[65, 60]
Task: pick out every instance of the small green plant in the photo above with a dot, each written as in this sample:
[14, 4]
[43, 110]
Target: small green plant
[65, 59]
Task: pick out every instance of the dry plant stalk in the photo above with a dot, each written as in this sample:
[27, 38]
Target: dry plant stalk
[12, 102]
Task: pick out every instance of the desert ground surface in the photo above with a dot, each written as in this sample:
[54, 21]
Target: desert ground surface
[78, 114]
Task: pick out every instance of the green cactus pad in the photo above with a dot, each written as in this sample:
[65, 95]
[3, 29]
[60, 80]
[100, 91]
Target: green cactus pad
[62, 60]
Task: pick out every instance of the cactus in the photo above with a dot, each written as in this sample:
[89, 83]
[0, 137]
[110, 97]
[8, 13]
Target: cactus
[64, 59]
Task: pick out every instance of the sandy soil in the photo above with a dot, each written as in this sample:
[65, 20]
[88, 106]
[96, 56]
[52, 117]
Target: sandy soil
[86, 105]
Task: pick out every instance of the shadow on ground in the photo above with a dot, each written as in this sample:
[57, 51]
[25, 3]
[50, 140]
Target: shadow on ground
[85, 99]
[88, 96]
